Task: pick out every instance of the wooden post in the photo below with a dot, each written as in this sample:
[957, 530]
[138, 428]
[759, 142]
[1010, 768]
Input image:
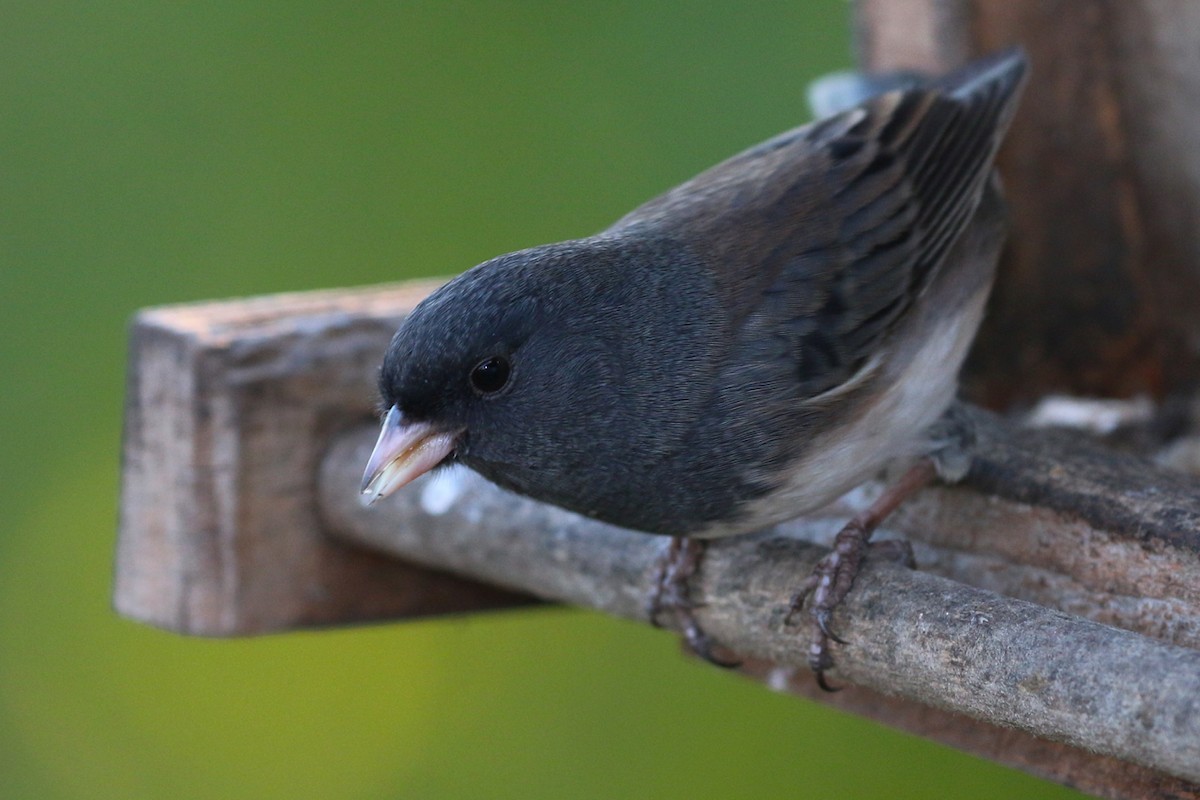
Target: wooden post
[1100, 291]
[228, 410]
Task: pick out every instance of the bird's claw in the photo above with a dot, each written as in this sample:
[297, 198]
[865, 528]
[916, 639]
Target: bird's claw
[828, 585]
[703, 646]
[822, 618]
[824, 684]
[671, 593]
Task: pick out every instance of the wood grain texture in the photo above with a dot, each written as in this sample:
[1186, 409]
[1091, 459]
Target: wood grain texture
[229, 408]
[912, 634]
[1101, 776]
[1100, 291]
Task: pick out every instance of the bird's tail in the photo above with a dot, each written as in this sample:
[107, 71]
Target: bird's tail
[1001, 73]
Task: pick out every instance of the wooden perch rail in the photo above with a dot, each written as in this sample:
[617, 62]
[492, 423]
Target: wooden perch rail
[914, 634]
[245, 439]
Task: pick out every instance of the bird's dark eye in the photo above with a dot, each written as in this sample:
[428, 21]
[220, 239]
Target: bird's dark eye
[490, 375]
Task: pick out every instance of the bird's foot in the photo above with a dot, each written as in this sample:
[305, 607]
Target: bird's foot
[830, 582]
[952, 444]
[671, 593]
[833, 577]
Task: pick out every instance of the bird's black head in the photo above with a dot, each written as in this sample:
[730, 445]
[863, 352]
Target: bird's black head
[462, 347]
[509, 368]
[572, 373]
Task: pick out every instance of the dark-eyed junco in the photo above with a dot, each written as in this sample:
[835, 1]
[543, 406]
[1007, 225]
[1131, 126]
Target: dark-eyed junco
[743, 349]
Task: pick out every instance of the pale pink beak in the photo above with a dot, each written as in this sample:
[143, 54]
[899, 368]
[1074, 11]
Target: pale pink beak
[404, 451]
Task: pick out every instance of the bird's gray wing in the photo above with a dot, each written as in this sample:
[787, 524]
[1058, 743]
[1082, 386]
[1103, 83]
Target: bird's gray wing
[820, 239]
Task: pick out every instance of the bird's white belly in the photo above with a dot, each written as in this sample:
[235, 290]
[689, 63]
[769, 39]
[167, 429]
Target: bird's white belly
[885, 429]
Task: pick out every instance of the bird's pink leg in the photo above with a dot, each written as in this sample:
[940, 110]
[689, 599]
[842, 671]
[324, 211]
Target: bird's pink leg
[834, 574]
[675, 569]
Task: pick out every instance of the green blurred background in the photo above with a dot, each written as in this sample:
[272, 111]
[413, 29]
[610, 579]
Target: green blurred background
[161, 152]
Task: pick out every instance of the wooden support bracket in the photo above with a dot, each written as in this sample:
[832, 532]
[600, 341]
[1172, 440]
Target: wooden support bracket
[229, 409]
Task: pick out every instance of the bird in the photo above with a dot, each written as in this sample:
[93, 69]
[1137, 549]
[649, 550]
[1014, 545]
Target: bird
[736, 352]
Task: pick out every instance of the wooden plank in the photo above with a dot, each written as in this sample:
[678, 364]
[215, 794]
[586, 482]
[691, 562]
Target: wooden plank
[1110, 696]
[229, 408]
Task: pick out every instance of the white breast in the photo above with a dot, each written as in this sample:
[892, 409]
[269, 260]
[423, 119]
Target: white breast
[920, 376]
